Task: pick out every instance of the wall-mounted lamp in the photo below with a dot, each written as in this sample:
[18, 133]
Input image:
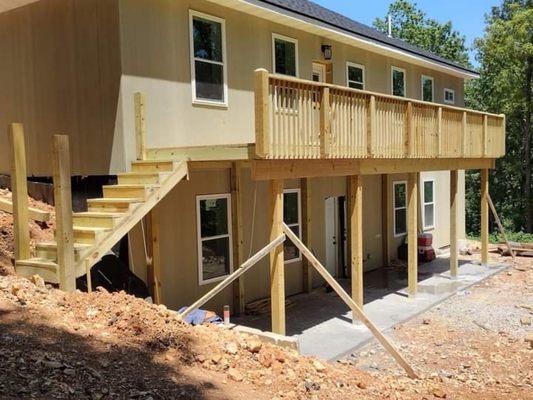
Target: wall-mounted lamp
[326, 50]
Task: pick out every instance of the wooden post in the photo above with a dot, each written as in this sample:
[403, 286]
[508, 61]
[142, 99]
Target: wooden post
[409, 131]
[19, 189]
[371, 132]
[307, 269]
[484, 140]
[500, 226]
[386, 203]
[325, 123]
[238, 236]
[262, 113]
[155, 236]
[140, 125]
[464, 129]
[63, 207]
[88, 275]
[484, 216]
[439, 132]
[412, 237]
[356, 238]
[277, 273]
[454, 200]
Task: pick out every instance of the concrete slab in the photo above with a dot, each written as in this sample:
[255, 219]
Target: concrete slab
[322, 323]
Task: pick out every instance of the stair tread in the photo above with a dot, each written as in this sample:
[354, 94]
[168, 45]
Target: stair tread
[153, 161]
[99, 214]
[115, 200]
[133, 185]
[143, 173]
[36, 261]
[90, 229]
[53, 245]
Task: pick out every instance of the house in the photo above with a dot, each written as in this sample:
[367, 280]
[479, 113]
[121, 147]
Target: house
[273, 109]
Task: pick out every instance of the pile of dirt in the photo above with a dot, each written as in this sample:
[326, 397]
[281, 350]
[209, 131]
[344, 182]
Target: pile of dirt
[39, 232]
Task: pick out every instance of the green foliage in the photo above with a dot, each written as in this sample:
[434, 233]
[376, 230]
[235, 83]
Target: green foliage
[412, 25]
[495, 237]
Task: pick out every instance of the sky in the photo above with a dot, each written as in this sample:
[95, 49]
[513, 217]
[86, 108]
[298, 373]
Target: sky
[467, 16]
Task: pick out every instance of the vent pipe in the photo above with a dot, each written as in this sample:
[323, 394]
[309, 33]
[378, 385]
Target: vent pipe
[389, 18]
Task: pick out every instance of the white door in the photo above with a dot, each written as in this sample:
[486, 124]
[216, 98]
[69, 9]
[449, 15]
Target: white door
[319, 72]
[332, 228]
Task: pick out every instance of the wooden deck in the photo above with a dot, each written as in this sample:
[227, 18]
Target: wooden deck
[299, 119]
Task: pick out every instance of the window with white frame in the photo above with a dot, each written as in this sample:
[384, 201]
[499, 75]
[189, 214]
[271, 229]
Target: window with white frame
[355, 75]
[208, 59]
[449, 96]
[285, 55]
[427, 83]
[429, 204]
[400, 208]
[213, 213]
[398, 81]
[292, 218]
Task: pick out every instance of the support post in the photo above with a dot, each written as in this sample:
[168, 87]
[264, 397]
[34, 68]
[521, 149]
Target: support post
[386, 202]
[63, 207]
[156, 253]
[307, 269]
[325, 123]
[277, 273]
[140, 125]
[262, 113]
[454, 200]
[412, 237]
[484, 216]
[19, 189]
[238, 236]
[356, 238]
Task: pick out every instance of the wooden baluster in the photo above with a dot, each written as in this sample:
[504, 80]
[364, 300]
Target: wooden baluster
[325, 123]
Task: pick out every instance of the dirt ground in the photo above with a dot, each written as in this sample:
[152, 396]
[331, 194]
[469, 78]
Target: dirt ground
[104, 345]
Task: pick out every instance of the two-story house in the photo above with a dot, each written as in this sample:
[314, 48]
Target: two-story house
[275, 107]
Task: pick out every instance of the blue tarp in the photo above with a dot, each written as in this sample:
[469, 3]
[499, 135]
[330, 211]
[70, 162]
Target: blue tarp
[198, 317]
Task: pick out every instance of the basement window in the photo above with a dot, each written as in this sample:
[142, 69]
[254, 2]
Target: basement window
[449, 96]
[400, 208]
[427, 88]
[355, 76]
[213, 214]
[208, 59]
[398, 81]
[429, 204]
[285, 55]
[292, 218]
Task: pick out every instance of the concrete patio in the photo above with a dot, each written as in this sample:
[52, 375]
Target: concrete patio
[322, 323]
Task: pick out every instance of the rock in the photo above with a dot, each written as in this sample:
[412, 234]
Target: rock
[235, 375]
[231, 348]
[438, 392]
[200, 358]
[216, 358]
[266, 359]
[361, 385]
[254, 346]
[38, 281]
[318, 366]
[426, 321]
[101, 289]
[52, 364]
[69, 372]
[529, 339]
[525, 321]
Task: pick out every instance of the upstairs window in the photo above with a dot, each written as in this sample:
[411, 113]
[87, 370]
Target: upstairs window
[285, 55]
[398, 81]
[213, 214]
[208, 59]
[292, 218]
[449, 96]
[400, 208]
[355, 76]
[427, 88]
[429, 204]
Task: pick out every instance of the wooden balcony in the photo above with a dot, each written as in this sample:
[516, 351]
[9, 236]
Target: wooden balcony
[299, 119]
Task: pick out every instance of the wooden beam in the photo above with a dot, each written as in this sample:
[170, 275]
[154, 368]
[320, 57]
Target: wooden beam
[500, 226]
[35, 214]
[277, 273]
[140, 125]
[484, 216]
[19, 189]
[412, 234]
[356, 238]
[229, 152]
[63, 206]
[262, 112]
[236, 274]
[325, 123]
[454, 200]
[349, 302]
[155, 237]
[307, 229]
[386, 203]
[88, 275]
[238, 235]
[296, 169]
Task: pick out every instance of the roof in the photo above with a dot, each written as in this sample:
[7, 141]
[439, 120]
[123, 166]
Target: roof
[314, 11]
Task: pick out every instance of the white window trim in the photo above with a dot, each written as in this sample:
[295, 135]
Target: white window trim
[224, 63]
[296, 58]
[428, 227]
[200, 239]
[451, 91]
[394, 208]
[299, 224]
[351, 64]
[393, 68]
[422, 79]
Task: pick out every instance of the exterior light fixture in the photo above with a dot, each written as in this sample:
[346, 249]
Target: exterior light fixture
[326, 50]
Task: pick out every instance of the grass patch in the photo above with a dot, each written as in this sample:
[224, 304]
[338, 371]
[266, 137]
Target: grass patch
[495, 237]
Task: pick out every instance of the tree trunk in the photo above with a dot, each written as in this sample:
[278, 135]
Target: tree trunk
[526, 148]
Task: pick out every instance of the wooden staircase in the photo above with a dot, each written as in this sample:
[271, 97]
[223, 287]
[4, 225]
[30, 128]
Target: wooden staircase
[109, 218]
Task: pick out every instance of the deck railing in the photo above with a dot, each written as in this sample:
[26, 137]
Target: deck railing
[299, 119]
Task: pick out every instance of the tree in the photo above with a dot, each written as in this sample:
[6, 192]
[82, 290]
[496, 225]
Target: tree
[412, 25]
[505, 54]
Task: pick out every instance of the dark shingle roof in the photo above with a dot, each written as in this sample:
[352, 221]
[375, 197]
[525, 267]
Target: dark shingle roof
[336, 20]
